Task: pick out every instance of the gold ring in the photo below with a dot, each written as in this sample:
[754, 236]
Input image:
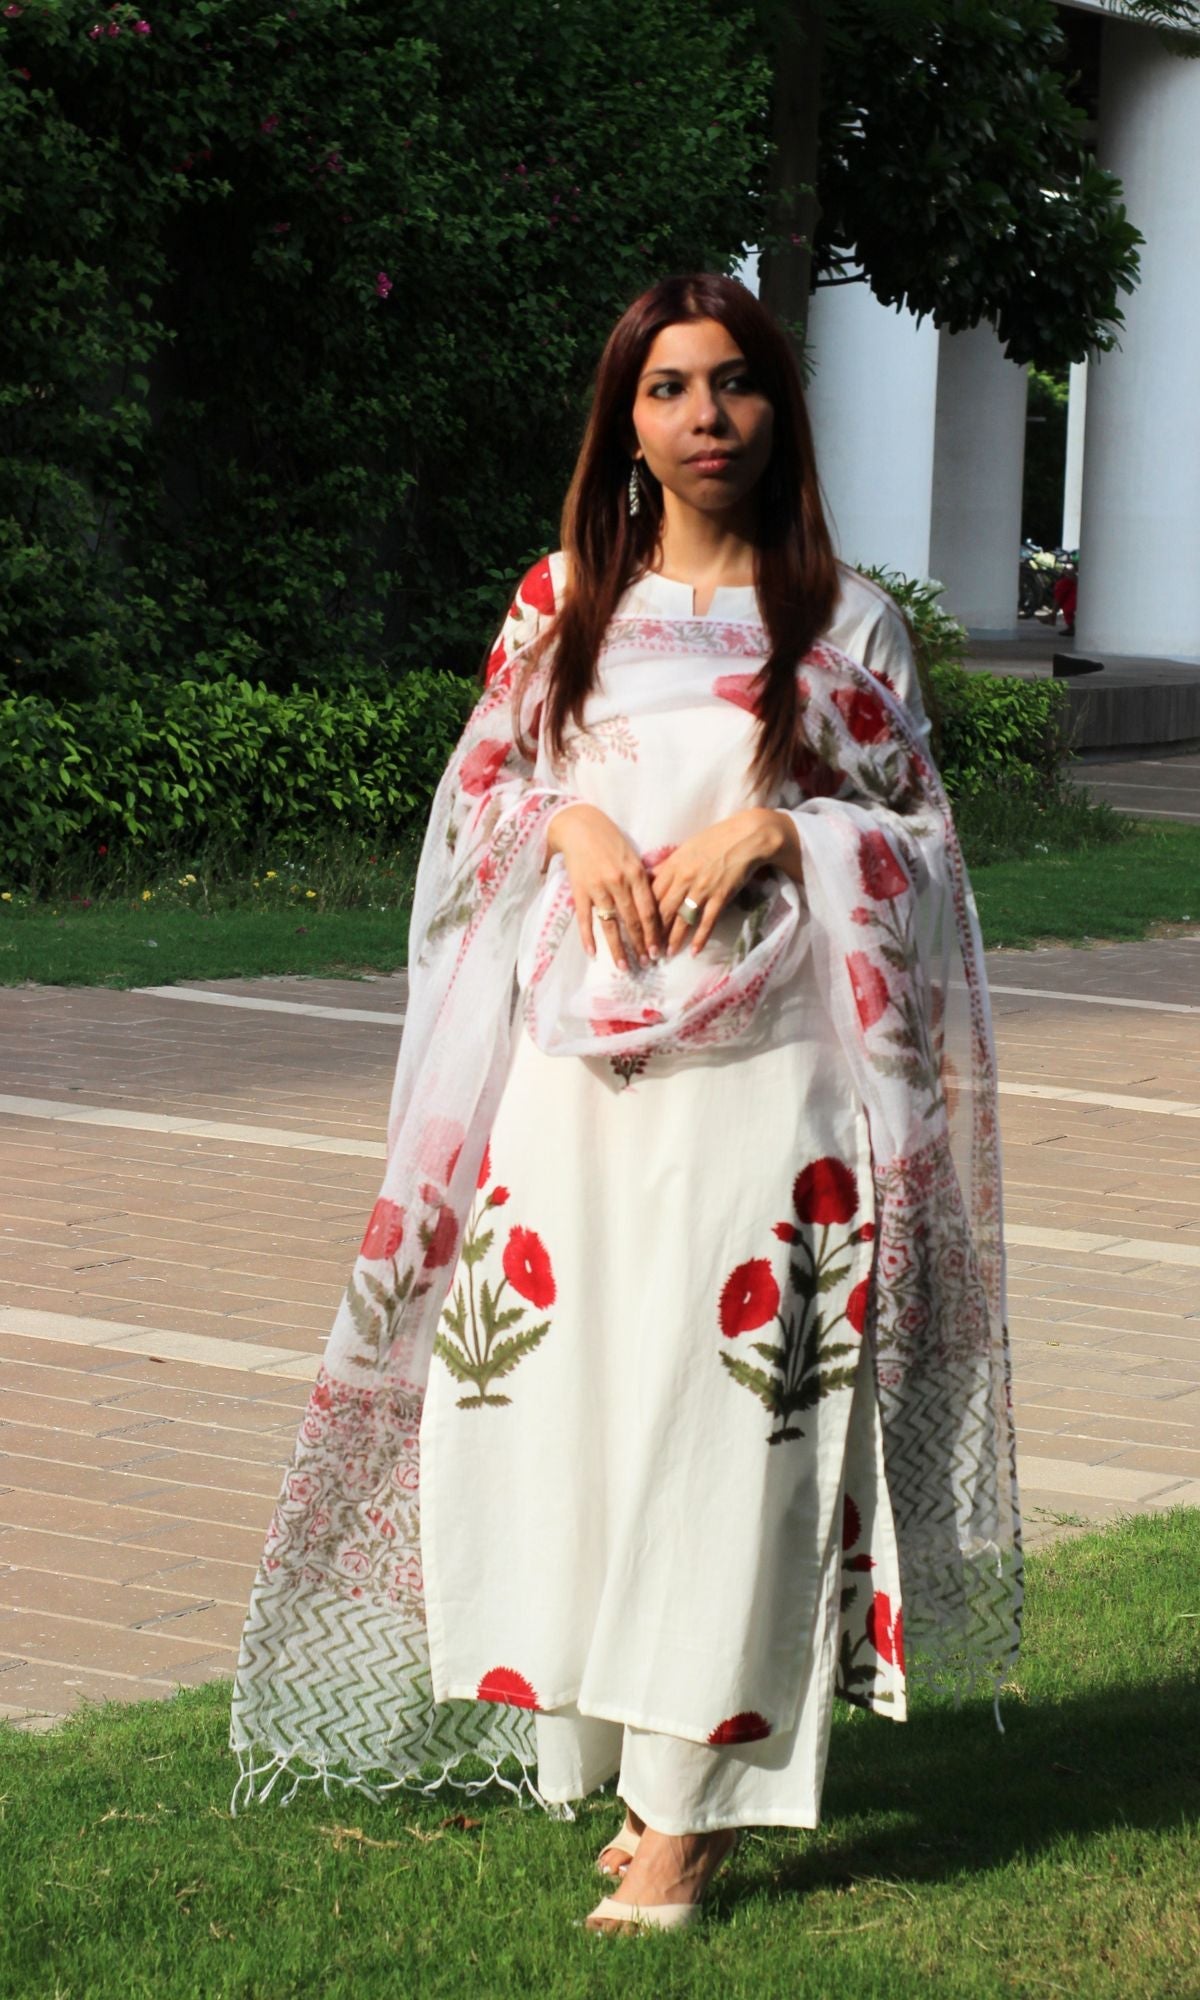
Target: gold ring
[606, 916]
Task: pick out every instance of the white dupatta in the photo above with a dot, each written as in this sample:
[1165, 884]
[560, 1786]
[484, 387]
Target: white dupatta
[333, 1678]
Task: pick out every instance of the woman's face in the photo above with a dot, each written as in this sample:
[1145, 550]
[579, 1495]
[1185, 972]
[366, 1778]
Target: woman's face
[703, 424]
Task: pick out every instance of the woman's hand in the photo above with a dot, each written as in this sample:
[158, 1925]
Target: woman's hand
[711, 867]
[606, 873]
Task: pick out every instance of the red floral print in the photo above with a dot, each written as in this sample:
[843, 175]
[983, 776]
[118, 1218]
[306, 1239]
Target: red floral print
[737, 688]
[496, 660]
[486, 1167]
[748, 1727]
[870, 988]
[537, 587]
[856, 1304]
[816, 778]
[787, 1232]
[526, 1263]
[442, 1238]
[825, 1191]
[482, 765]
[385, 1230]
[882, 875]
[438, 1149]
[749, 1297]
[507, 1685]
[851, 1522]
[886, 1633]
[618, 1024]
[863, 713]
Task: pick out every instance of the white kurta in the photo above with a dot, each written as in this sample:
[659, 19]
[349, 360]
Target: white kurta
[653, 1244]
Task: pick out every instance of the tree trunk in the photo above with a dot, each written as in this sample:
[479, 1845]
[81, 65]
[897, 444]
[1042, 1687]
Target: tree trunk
[785, 270]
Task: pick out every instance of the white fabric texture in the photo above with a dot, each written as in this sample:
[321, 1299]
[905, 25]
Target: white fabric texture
[655, 1560]
[334, 1680]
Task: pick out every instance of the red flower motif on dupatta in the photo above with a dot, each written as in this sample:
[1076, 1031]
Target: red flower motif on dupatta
[440, 1248]
[527, 1267]
[482, 766]
[507, 1685]
[748, 1727]
[863, 713]
[882, 875]
[486, 1166]
[851, 1522]
[737, 688]
[886, 1633]
[385, 1230]
[825, 1191]
[749, 1297]
[870, 988]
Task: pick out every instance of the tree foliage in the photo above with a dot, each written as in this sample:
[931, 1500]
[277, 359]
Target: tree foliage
[954, 169]
[301, 305]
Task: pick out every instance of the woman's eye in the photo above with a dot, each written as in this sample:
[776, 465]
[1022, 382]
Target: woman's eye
[730, 382]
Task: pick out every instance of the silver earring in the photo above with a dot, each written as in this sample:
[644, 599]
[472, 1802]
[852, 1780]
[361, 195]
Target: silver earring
[635, 498]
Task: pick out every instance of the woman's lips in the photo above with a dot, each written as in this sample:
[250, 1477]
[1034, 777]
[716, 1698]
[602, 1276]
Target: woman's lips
[719, 462]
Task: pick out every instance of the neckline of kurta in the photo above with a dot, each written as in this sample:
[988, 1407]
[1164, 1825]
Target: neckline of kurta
[671, 597]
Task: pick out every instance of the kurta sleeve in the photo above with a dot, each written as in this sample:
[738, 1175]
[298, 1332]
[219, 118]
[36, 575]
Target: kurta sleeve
[869, 627]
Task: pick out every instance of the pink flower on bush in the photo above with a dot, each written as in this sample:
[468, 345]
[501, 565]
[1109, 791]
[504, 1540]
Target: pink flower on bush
[383, 284]
[141, 27]
[270, 122]
[95, 33]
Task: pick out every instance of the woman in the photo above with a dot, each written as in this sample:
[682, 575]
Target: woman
[700, 1334]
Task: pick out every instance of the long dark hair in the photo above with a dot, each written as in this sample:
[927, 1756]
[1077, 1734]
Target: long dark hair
[606, 547]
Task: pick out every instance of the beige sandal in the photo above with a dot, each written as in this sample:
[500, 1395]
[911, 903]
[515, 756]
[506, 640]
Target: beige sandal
[626, 1842]
[611, 1916]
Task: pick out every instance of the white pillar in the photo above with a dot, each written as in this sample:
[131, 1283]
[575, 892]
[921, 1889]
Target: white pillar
[871, 400]
[1139, 571]
[1073, 476]
[978, 460]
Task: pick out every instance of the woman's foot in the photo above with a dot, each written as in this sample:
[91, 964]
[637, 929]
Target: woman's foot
[667, 1868]
[615, 1860]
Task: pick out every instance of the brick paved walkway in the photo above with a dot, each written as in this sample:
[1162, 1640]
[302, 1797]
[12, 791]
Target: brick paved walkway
[185, 1188]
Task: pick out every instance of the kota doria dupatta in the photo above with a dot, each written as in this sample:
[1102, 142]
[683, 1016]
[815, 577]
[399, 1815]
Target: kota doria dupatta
[333, 1679]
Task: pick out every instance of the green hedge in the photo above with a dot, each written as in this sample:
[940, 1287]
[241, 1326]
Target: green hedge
[219, 759]
[996, 731]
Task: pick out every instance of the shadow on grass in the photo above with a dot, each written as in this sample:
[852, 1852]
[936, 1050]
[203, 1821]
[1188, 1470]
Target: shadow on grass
[945, 1795]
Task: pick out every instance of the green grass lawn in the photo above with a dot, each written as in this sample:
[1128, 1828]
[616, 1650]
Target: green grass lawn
[348, 926]
[954, 1863]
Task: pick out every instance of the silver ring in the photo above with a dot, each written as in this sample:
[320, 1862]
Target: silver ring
[689, 909]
